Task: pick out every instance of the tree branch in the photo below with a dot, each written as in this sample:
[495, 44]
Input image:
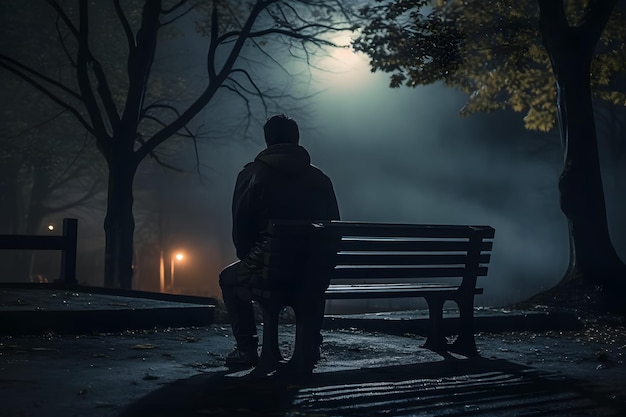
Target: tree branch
[158, 159]
[213, 43]
[61, 13]
[596, 16]
[82, 73]
[85, 197]
[179, 16]
[128, 31]
[163, 124]
[209, 91]
[51, 96]
[28, 70]
[174, 7]
[36, 125]
[62, 42]
[141, 62]
[64, 175]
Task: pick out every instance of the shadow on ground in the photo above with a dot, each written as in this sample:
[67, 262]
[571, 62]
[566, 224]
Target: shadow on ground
[451, 387]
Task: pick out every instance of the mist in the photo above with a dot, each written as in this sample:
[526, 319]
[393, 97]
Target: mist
[394, 155]
[405, 155]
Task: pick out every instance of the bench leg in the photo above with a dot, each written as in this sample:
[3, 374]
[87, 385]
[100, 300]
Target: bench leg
[465, 343]
[270, 352]
[435, 341]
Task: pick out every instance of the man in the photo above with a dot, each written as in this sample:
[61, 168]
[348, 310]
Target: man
[281, 183]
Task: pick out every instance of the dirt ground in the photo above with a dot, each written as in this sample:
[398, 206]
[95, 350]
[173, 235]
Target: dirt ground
[179, 372]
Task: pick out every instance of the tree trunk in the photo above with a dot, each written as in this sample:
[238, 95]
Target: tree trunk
[594, 260]
[119, 223]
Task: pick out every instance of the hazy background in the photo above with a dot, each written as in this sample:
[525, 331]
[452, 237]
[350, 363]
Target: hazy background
[394, 156]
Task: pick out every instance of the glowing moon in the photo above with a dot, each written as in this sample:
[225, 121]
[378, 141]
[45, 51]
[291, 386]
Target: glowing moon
[343, 66]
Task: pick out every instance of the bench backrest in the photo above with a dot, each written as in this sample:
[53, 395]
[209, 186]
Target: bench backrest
[376, 252]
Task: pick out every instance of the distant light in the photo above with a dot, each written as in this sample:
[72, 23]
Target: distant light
[179, 256]
[51, 227]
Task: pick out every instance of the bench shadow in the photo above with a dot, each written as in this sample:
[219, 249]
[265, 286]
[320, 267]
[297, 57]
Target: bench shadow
[451, 387]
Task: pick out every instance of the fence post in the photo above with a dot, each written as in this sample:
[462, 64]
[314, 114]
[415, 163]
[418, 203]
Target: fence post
[68, 255]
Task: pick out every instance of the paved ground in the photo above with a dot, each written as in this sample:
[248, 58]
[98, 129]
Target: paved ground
[179, 372]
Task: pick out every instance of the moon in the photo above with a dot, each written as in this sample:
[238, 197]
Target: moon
[342, 65]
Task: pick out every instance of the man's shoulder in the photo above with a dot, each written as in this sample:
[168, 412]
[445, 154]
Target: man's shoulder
[318, 172]
[247, 168]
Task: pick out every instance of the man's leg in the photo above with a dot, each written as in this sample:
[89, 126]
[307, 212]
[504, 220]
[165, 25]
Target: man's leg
[240, 312]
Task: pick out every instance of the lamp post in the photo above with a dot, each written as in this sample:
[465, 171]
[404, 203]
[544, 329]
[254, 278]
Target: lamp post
[161, 272]
[176, 256]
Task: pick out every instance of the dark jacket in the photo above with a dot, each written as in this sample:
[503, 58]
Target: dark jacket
[281, 183]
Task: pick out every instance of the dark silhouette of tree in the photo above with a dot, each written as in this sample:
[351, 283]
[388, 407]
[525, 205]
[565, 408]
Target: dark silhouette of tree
[571, 49]
[121, 109]
[510, 55]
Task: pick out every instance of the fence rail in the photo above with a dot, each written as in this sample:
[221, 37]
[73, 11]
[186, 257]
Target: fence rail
[66, 243]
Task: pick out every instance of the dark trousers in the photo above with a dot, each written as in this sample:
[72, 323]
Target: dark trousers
[238, 302]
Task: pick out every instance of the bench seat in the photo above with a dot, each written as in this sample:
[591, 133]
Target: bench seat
[356, 260]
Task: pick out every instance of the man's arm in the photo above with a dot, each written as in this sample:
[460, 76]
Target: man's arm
[333, 207]
[243, 213]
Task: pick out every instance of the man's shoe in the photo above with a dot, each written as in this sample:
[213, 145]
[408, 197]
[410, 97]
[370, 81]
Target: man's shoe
[242, 358]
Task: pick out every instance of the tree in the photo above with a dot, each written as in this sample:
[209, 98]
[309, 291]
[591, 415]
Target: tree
[126, 118]
[45, 168]
[495, 51]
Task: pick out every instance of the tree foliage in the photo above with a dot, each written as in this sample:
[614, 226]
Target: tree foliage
[490, 49]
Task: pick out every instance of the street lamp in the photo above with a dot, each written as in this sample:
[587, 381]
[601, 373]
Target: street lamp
[176, 256]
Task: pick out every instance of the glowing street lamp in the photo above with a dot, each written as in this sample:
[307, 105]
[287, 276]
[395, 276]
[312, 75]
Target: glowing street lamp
[177, 256]
[51, 227]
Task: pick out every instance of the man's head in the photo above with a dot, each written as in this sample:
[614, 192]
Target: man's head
[281, 129]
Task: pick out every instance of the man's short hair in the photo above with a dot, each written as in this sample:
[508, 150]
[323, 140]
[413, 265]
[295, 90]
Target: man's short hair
[281, 129]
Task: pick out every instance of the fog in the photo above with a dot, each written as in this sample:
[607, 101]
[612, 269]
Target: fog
[394, 155]
[401, 155]
[405, 155]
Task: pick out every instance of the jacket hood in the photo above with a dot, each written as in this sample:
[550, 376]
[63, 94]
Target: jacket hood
[288, 159]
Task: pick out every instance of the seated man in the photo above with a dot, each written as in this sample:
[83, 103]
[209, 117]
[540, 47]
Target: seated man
[282, 184]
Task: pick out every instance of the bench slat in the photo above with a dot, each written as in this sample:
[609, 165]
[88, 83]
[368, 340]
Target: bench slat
[339, 292]
[386, 273]
[412, 230]
[405, 259]
[282, 228]
[398, 245]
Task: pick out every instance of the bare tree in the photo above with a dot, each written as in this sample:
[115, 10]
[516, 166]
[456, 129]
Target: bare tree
[127, 121]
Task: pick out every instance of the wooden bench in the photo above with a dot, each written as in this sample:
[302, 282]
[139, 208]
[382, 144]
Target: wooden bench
[66, 243]
[367, 261]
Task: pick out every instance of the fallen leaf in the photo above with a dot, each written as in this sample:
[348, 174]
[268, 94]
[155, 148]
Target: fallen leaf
[190, 339]
[9, 347]
[144, 346]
